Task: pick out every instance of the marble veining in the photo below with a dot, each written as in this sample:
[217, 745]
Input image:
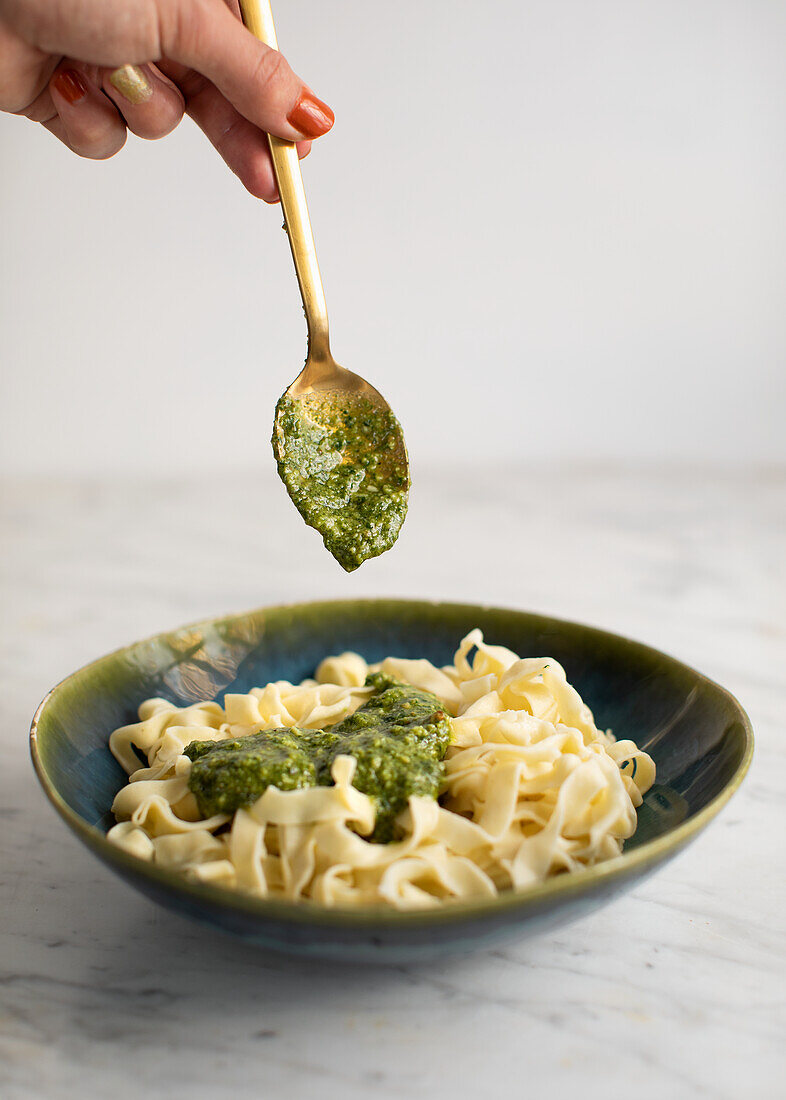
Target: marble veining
[675, 989]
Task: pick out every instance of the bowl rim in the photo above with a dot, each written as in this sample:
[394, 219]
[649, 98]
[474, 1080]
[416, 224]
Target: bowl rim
[307, 912]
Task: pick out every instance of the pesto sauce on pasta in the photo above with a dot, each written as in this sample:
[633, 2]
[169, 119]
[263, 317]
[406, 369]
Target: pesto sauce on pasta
[398, 738]
[528, 786]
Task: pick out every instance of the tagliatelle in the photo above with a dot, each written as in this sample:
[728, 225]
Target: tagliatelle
[532, 788]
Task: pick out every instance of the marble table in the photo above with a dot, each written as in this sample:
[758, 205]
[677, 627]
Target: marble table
[675, 990]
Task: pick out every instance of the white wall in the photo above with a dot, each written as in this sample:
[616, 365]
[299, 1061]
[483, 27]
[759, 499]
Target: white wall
[547, 229]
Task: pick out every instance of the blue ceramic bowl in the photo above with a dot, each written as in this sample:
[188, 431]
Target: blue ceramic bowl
[698, 734]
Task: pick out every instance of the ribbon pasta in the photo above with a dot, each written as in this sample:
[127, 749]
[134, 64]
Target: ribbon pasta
[531, 789]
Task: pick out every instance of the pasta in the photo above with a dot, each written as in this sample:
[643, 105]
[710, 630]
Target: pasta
[531, 788]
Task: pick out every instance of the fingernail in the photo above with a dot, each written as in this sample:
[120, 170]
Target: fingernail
[132, 83]
[310, 116]
[71, 85]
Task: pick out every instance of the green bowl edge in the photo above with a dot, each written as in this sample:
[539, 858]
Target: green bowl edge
[310, 913]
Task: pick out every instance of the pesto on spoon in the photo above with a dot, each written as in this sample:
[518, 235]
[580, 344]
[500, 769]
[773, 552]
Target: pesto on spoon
[343, 461]
[339, 448]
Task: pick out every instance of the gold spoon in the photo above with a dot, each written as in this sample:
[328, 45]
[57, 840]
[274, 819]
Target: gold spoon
[339, 448]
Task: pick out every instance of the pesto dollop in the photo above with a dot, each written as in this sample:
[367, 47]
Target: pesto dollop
[227, 775]
[343, 460]
[399, 738]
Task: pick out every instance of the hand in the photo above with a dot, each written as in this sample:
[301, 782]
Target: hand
[88, 70]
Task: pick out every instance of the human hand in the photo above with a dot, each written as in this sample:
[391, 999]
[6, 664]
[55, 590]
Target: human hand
[88, 70]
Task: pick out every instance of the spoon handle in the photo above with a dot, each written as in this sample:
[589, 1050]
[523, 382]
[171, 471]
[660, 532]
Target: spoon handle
[258, 17]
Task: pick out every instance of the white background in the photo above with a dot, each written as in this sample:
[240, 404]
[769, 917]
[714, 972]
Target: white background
[548, 230]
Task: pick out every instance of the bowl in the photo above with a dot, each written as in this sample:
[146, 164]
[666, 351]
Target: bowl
[697, 733]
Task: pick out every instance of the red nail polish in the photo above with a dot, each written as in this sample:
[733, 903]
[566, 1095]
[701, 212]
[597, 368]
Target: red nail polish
[310, 116]
[71, 85]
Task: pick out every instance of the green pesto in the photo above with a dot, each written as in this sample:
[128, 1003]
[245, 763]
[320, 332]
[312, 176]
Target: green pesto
[398, 738]
[343, 461]
[227, 775]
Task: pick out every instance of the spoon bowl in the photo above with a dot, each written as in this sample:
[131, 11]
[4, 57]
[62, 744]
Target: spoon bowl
[341, 454]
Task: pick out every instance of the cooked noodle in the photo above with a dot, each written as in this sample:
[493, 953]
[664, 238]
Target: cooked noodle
[532, 788]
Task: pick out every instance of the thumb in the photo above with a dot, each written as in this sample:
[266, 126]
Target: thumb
[205, 36]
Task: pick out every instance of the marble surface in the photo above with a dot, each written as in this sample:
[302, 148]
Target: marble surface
[676, 989]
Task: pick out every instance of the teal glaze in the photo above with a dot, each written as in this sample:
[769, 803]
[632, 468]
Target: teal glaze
[698, 734]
